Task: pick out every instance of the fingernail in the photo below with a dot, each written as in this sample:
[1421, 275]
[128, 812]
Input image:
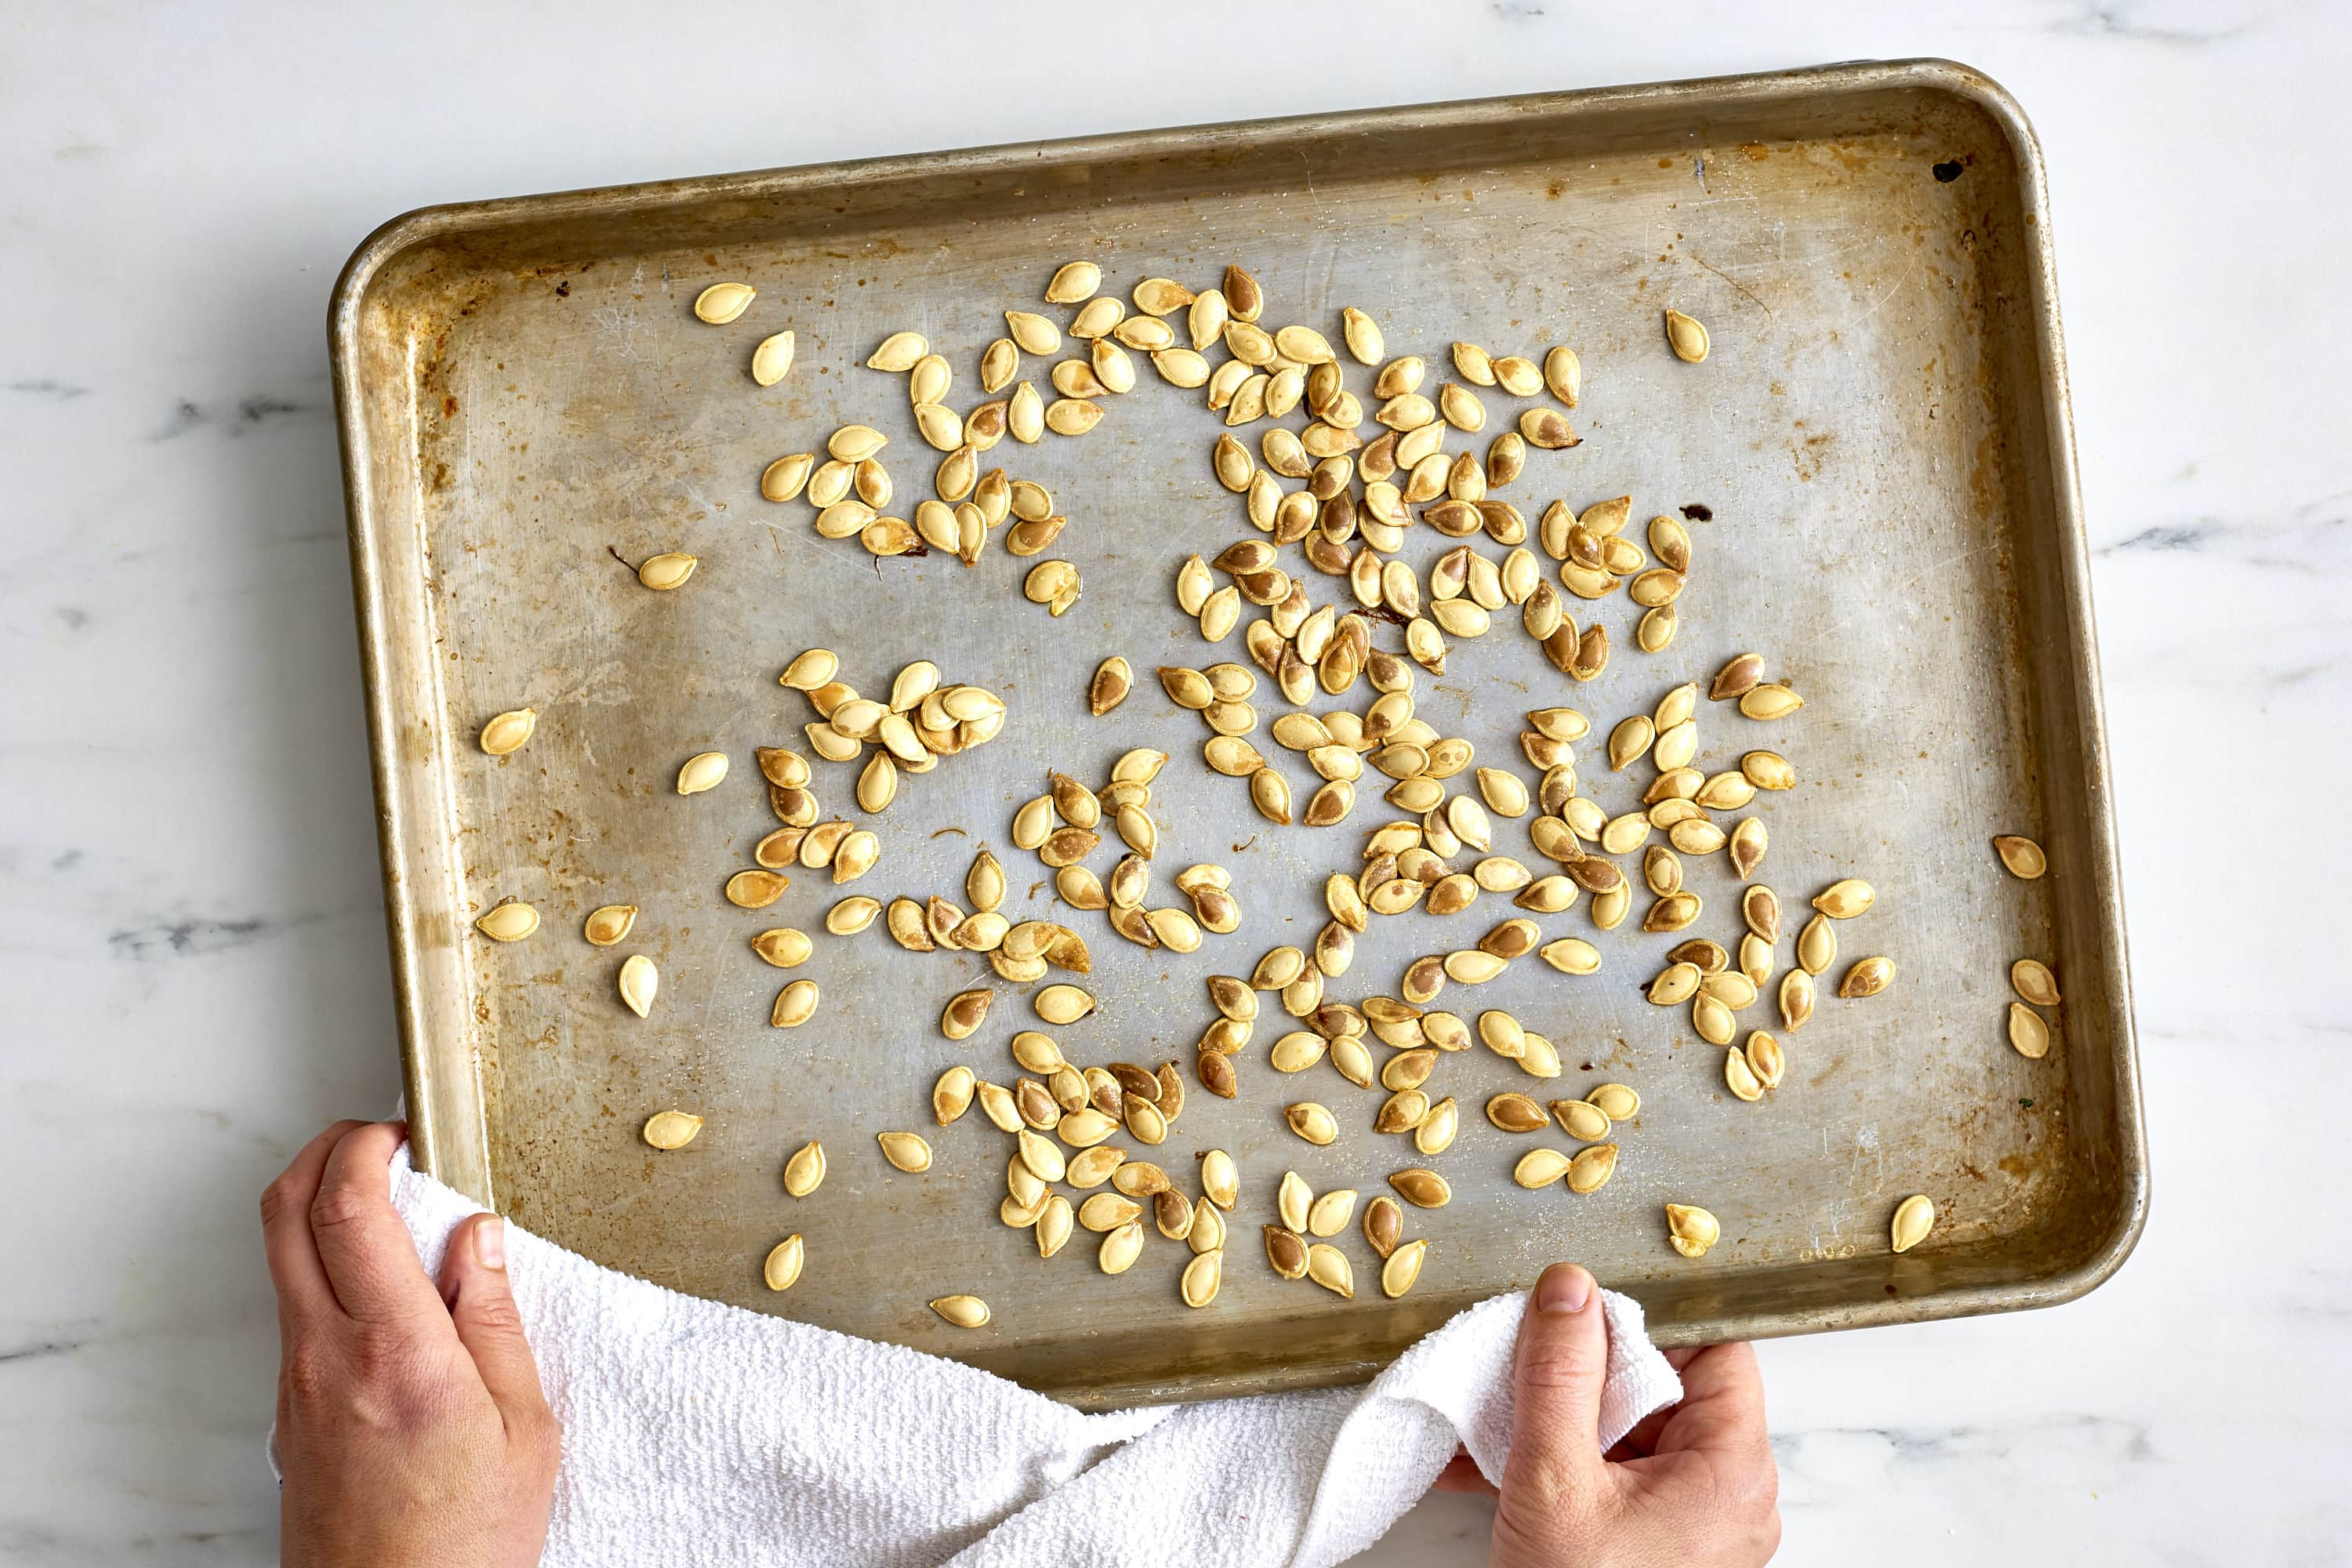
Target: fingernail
[490, 1243]
[1564, 1287]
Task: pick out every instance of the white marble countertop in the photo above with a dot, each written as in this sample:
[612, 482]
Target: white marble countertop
[191, 943]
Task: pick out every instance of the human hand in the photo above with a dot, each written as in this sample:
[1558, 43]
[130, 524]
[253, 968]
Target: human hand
[1691, 1484]
[411, 1427]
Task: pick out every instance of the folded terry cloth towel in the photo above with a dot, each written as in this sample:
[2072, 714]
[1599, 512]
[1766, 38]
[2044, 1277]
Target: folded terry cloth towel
[699, 1433]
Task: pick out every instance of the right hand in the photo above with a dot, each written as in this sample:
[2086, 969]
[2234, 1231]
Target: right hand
[1693, 1486]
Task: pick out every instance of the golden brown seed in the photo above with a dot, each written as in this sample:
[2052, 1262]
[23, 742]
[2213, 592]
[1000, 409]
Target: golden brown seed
[1770, 700]
[1686, 337]
[722, 302]
[1915, 1216]
[1591, 1168]
[1845, 901]
[1311, 1121]
[1581, 1120]
[515, 920]
[1766, 1059]
[1286, 1251]
[2034, 982]
[1063, 1004]
[2028, 1031]
[639, 982]
[1736, 678]
[1421, 1187]
[963, 1312]
[1796, 999]
[1740, 1077]
[2024, 857]
[1516, 1114]
[671, 1128]
[1817, 945]
[1691, 1230]
[784, 947]
[905, 1150]
[1332, 1212]
[1617, 1101]
[1540, 1168]
[1198, 1285]
[795, 1005]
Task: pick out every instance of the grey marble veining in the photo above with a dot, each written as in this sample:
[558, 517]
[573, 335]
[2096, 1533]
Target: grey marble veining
[191, 942]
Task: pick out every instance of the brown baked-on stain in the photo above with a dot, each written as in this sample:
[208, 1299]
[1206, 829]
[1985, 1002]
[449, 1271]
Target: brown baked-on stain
[449, 406]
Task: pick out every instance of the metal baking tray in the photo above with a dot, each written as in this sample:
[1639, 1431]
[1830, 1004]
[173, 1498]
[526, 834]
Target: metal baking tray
[1881, 435]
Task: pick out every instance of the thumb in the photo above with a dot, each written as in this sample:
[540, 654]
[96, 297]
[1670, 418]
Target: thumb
[1563, 1359]
[482, 1306]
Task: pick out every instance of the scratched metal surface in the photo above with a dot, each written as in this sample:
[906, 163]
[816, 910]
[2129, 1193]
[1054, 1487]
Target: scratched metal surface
[1880, 433]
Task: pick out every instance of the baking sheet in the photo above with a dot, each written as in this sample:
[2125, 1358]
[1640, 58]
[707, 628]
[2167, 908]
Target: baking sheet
[1880, 434]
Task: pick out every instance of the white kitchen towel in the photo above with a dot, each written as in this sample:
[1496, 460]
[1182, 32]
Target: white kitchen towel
[699, 1433]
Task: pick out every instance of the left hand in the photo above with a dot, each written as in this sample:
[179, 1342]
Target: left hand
[410, 1421]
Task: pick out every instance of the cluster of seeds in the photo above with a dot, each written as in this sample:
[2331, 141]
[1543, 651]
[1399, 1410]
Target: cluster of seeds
[850, 489]
[2032, 980]
[1061, 1116]
[1062, 826]
[1305, 1213]
[922, 722]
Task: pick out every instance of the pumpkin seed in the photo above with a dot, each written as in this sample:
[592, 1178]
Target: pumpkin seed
[795, 1005]
[722, 302]
[1817, 945]
[1198, 1286]
[1332, 1212]
[1691, 1231]
[1686, 337]
[1739, 1076]
[1542, 428]
[668, 1129]
[1285, 1250]
[1107, 1211]
[783, 947]
[639, 983]
[1581, 1120]
[963, 1312]
[1766, 1059]
[1675, 985]
[611, 924]
[965, 1012]
[1617, 1101]
[514, 920]
[701, 772]
[2028, 1031]
[2024, 857]
[905, 1150]
[1738, 678]
[1311, 1121]
[1570, 955]
[1328, 1267]
[1761, 907]
[1845, 901]
[1770, 700]
[1063, 1004]
[1915, 1216]
[1591, 1168]
[1401, 1112]
[1297, 1051]
[1539, 1168]
[2033, 980]
[1796, 999]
